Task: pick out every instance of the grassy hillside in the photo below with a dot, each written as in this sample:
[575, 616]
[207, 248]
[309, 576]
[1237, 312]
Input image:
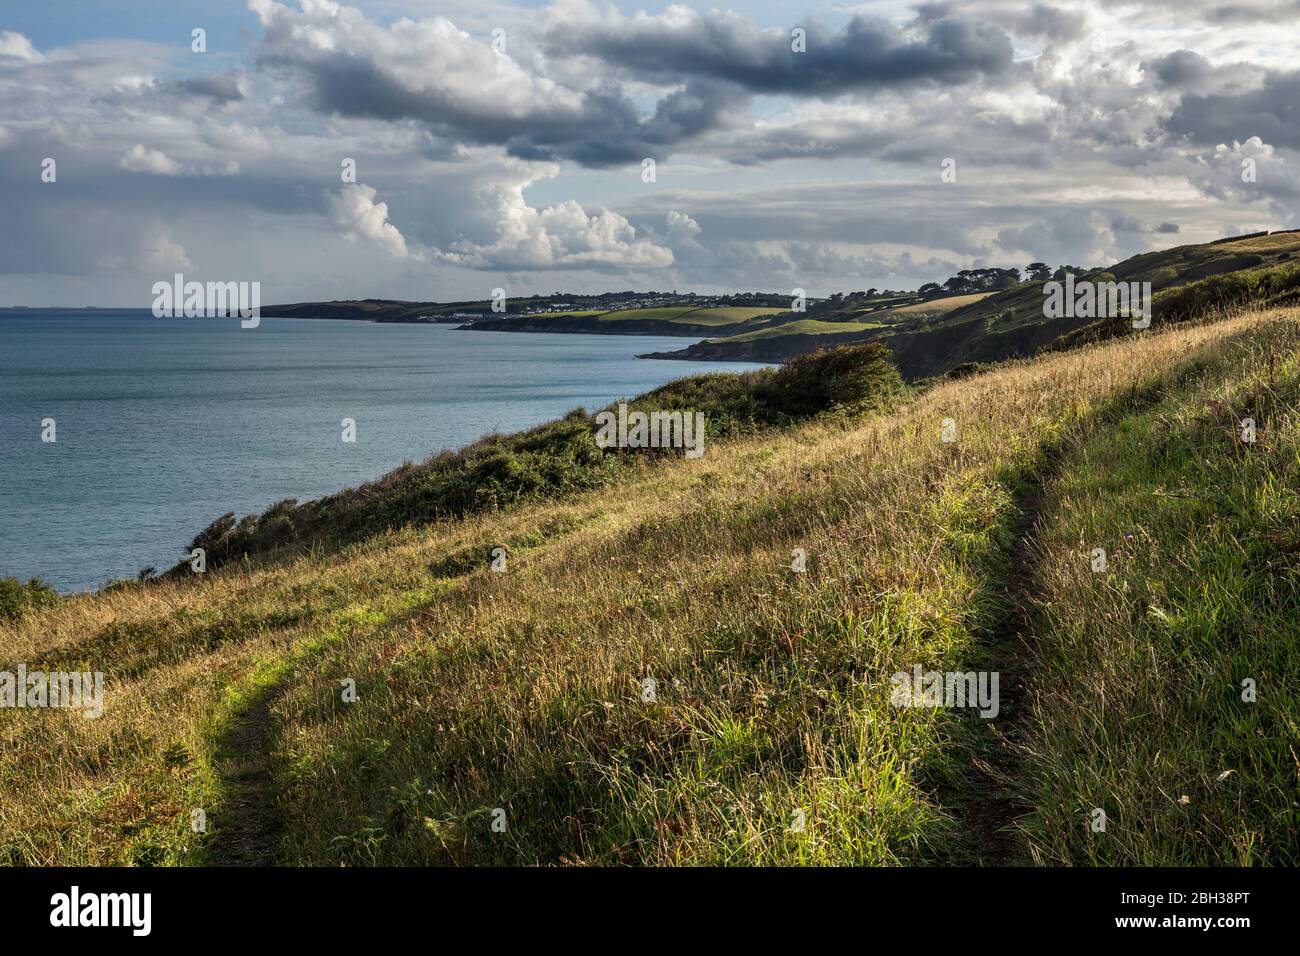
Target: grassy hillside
[929, 338]
[681, 320]
[520, 696]
[804, 327]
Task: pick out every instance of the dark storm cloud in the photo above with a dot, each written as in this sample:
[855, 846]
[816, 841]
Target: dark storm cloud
[1270, 112]
[613, 133]
[1035, 21]
[221, 87]
[455, 85]
[1250, 12]
[1180, 68]
[607, 130]
[462, 90]
[869, 53]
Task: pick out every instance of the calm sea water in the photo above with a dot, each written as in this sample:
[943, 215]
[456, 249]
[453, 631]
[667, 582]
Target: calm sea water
[165, 424]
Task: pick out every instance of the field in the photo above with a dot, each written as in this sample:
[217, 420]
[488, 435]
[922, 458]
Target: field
[651, 681]
[691, 316]
[672, 312]
[725, 315]
[939, 306]
[806, 327]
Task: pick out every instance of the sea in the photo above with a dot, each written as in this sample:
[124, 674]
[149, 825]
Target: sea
[160, 426]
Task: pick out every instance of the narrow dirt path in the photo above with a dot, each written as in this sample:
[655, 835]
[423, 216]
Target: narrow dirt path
[247, 834]
[995, 800]
[994, 804]
[991, 807]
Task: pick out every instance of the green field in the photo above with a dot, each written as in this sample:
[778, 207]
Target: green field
[725, 315]
[691, 316]
[663, 315]
[803, 327]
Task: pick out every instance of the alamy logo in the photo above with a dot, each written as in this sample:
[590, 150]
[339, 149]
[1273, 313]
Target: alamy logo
[103, 909]
[208, 299]
[78, 690]
[978, 690]
[653, 430]
[1098, 300]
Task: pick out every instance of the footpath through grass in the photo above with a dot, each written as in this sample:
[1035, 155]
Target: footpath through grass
[1167, 687]
[650, 680]
[769, 736]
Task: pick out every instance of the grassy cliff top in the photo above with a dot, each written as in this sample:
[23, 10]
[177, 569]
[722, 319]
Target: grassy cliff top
[693, 663]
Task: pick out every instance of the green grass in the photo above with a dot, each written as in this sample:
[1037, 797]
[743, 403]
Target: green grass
[663, 315]
[725, 315]
[802, 327]
[522, 690]
[1141, 710]
[692, 316]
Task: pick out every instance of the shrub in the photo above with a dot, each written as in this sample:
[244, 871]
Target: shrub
[851, 378]
[1165, 275]
[1228, 291]
[17, 598]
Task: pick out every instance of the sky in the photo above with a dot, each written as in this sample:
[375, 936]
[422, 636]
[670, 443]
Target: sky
[406, 149]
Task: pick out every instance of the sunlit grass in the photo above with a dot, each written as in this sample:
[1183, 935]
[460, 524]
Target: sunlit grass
[524, 691]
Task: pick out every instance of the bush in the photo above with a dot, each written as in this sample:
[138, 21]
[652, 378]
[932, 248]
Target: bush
[17, 598]
[1165, 275]
[1229, 291]
[849, 378]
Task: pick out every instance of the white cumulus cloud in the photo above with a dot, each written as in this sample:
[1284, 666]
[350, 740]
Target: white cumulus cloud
[16, 45]
[561, 236]
[141, 159]
[354, 211]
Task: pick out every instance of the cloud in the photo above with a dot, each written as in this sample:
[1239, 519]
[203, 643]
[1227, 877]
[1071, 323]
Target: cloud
[431, 71]
[780, 264]
[353, 211]
[869, 53]
[1081, 133]
[162, 254]
[1268, 112]
[17, 46]
[1181, 68]
[559, 236]
[544, 105]
[141, 159]
[220, 87]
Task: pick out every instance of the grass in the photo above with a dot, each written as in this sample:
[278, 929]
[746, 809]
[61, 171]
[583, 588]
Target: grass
[721, 316]
[939, 306]
[1141, 709]
[663, 314]
[802, 327]
[525, 690]
[728, 315]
